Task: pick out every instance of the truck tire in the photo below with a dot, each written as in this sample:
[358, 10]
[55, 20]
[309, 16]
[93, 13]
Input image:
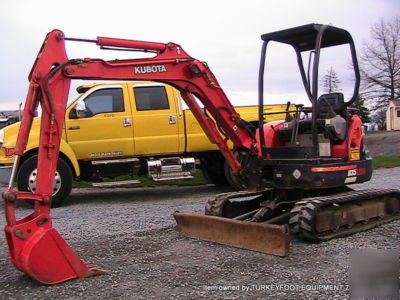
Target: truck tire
[215, 177]
[26, 180]
[213, 170]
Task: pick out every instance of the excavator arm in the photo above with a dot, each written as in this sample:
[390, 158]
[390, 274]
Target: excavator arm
[32, 239]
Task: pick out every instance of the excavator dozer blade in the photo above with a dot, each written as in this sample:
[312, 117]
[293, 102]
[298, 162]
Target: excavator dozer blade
[266, 238]
[42, 254]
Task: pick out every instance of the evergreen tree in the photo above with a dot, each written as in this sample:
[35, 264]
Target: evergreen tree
[331, 82]
[363, 111]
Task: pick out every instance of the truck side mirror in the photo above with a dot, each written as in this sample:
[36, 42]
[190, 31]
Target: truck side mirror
[79, 111]
[73, 114]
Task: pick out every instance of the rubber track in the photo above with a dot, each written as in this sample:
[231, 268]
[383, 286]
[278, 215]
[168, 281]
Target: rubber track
[215, 206]
[303, 213]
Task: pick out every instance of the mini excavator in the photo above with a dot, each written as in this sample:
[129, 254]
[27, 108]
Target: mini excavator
[293, 175]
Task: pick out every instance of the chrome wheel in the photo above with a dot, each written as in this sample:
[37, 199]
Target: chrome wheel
[32, 182]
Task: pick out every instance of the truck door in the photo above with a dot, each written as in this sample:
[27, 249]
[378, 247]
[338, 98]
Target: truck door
[157, 122]
[100, 124]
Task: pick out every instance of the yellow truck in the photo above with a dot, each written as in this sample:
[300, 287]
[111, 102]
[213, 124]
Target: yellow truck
[137, 128]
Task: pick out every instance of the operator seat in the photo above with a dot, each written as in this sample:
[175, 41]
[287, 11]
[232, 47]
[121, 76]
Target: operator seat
[331, 120]
[329, 105]
[331, 109]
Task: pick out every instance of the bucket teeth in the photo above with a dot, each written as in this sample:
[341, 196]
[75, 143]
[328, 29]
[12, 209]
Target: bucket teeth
[47, 258]
[93, 270]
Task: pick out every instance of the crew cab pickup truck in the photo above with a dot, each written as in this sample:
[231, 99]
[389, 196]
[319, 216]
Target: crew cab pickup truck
[137, 128]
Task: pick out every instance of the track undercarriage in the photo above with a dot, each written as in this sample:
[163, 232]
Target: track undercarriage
[333, 213]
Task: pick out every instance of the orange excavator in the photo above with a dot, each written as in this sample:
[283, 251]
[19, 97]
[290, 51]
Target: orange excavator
[292, 173]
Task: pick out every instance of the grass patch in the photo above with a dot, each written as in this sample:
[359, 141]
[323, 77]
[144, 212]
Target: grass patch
[146, 182]
[386, 162]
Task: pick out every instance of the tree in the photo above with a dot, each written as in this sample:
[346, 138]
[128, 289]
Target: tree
[363, 112]
[331, 82]
[379, 118]
[380, 64]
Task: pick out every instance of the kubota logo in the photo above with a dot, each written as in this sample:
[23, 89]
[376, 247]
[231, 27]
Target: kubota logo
[150, 69]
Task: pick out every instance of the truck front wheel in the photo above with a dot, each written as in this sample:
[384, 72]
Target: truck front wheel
[26, 179]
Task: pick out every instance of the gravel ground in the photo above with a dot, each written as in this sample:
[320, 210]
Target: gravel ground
[130, 232]
[386, 143]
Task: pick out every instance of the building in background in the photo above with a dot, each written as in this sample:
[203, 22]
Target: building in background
[393, 115]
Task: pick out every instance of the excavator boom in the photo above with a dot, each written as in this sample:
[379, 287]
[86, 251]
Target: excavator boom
[35, 247]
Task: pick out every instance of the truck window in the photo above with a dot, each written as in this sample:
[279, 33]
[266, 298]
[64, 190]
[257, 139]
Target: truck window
[151, 98]
[105, 101]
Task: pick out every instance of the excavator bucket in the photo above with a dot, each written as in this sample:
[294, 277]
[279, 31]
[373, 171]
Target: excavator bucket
[266, 238]
[48, 259]
[38, 250]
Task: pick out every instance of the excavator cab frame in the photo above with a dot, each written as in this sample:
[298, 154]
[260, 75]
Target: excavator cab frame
[311, 37]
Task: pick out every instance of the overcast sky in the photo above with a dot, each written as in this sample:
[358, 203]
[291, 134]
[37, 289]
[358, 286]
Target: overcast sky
[225, 34]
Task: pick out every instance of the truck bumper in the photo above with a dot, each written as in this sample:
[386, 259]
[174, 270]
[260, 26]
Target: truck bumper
[5, 174]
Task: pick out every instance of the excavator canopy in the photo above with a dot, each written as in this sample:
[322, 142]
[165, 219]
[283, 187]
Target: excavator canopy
[304, 37]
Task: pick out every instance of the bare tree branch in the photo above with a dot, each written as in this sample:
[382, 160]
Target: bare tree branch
[380, 64]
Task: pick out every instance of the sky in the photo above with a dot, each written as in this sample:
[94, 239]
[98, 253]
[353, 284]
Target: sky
[225, 34]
